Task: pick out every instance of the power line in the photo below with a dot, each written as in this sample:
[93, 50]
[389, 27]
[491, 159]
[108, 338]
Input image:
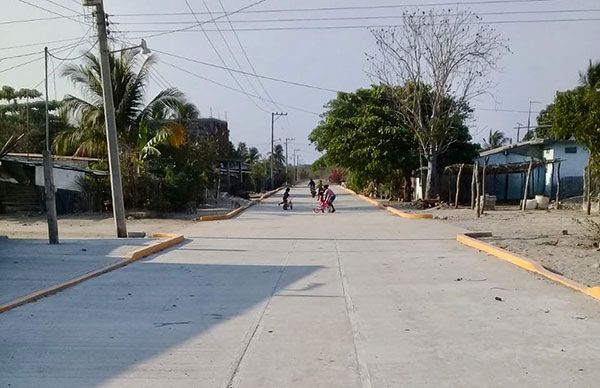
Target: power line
[367, 26]
[52, 12]
[379, 17]
[64, 48]
[63, 7]
[347, 8]
[300, 84]
[246, 55]
[229, 70]
[77, 57]
[208, 21]
[233, 89]
[31, 20]
[239, 66]
[39, 43]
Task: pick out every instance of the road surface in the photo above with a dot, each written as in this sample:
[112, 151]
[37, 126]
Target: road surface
[359, 298]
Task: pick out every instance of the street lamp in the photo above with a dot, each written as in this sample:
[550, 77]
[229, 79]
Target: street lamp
[142, 48]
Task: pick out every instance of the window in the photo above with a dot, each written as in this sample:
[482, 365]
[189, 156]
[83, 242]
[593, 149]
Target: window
[570, 150]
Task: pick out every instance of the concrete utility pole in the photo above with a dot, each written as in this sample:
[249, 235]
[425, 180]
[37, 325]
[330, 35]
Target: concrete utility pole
[297, 161]
[48, 171]
[274, 116]
[109, 117]
[287, 139]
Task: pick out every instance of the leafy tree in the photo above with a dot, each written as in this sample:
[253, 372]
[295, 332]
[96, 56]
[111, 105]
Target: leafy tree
[440, 61]
[361, 133]
[576, 113]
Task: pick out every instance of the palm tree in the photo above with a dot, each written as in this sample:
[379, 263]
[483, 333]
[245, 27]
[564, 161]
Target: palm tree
[278, 155]
[129, 78]
[495, 139]
[591, 77]
[253, 155]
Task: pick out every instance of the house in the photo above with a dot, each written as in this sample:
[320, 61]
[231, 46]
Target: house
[508, 169]
[22, 181]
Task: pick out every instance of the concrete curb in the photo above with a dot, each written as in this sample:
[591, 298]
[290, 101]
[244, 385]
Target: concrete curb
[400, 213]
[470, 240]
[412, 216]
[235, 212]
[167, 240]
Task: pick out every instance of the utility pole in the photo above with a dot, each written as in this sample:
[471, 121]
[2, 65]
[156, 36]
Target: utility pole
[274, 116]
[529, 115]
[297, 160]
[109, 117]
[287, 139]
[48, 171]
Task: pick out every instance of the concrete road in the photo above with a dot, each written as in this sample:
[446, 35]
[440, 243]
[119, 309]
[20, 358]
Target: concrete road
[359, 298]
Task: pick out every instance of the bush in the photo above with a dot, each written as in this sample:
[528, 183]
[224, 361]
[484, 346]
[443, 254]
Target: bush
[337, 176]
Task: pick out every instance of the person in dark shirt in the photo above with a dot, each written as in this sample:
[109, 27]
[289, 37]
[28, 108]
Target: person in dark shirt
[286, 196]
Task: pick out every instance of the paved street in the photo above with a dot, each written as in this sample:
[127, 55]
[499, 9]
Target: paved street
[359, 298]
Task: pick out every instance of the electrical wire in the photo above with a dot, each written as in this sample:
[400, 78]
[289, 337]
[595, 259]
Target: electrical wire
[346, 18]
[74, 58]
[70, 17]
[365, 26]
[300, 84]
[239, 66]
[64, 48]
[232, 88]
[237, 37]
[207, 21]
[39, 43]
[64, 7]
[31, 20]
[229, 70]
[347, 8]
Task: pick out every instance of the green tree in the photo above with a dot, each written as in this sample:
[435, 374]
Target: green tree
[129, 79]
[361, 132]
[576, 113]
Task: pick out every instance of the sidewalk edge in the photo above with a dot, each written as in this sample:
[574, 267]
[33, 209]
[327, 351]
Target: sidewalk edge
[167, 240]
[527, 264]
[235, 212]
[400, 213]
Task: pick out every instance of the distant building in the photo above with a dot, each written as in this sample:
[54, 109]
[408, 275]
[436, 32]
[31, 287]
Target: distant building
[547, 154]
[211, 129]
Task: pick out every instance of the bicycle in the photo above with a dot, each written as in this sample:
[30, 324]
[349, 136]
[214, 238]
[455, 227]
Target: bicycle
[323, 206]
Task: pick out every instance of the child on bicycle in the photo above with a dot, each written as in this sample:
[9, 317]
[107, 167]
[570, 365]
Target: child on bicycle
[286, 196]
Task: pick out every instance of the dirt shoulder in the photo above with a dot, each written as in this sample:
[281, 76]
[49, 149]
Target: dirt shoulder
[538, 235]
[87, 225]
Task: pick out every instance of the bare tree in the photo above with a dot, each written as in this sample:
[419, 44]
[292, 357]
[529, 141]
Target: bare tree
[441, 60]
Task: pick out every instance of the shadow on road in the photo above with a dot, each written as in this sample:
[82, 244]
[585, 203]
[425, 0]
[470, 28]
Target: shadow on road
[111, 326]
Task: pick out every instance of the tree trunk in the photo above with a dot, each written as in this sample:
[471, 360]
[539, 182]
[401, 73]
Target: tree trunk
[477, 191]
[588, 189]
[407, 192]
[431, 190]
[458, 185]
[473, 189]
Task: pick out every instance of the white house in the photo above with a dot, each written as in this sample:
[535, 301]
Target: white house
[549, 154]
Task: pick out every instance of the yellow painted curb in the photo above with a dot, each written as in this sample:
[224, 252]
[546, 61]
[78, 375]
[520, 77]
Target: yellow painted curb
[167, 240]
[235, 212]
[527, 264]
[412, 216]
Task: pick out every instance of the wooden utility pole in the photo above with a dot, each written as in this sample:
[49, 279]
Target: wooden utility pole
[460, 169]
[473, 188]
[558, 185]
[485, 162]
[588, 189]
[524, 205]
[477, 191]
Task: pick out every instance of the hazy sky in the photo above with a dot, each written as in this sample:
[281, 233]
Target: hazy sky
[546, 56]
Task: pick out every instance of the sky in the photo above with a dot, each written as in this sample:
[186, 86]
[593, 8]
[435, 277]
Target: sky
[545, 56]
